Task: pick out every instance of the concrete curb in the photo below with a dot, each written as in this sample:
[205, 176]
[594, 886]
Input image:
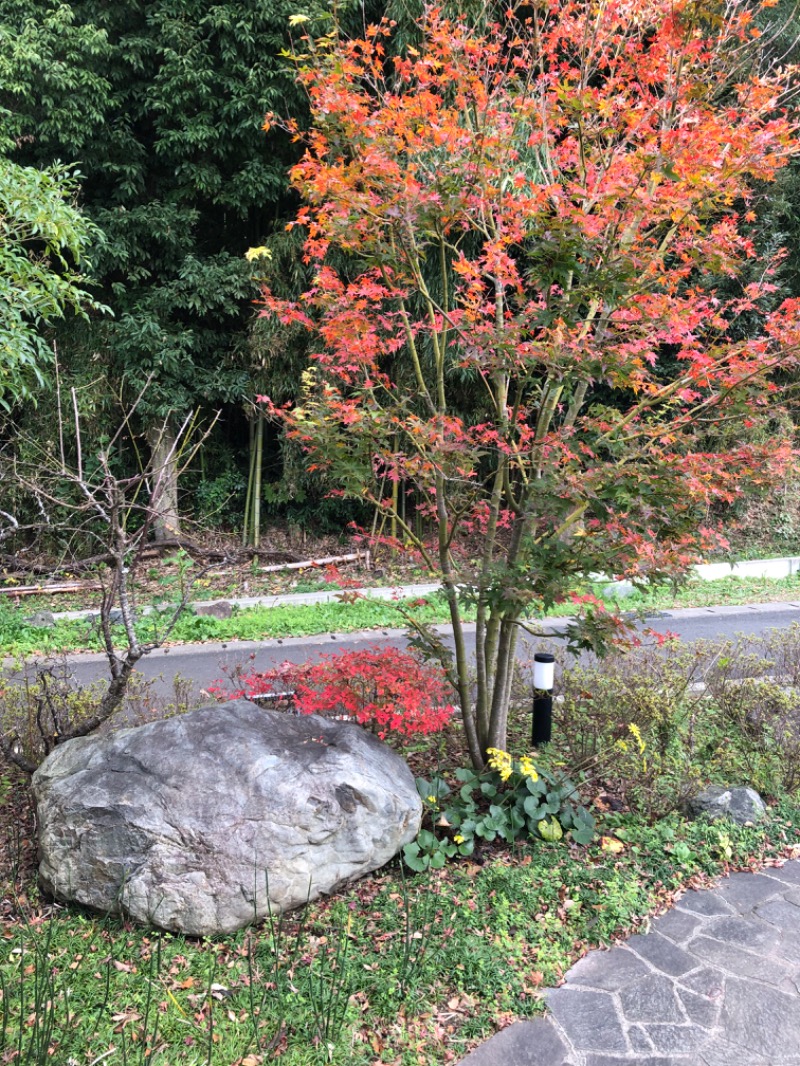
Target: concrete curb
[295, 599]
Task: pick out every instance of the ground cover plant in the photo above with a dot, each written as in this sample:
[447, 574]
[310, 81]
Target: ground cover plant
[414, 967]
[401, 969]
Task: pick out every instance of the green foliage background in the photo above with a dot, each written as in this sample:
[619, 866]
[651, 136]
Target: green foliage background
[159, 104]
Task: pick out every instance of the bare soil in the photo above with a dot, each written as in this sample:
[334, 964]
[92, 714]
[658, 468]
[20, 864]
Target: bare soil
[161, 572]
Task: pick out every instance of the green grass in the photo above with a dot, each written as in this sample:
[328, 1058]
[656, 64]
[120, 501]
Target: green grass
[393, 970]
[260, 623]
[388, 972]
[253, 623]
[724, 591]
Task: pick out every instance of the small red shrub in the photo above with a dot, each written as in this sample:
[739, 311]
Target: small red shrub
[390, 690]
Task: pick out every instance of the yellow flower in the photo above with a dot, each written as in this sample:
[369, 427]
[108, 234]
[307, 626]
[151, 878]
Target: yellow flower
[634, 731]
[500, 761]
[621, 745]
[431, 799]
[527, 769]
[458, 838]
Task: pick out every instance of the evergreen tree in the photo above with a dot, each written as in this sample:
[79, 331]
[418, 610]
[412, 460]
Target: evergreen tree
[161, 102]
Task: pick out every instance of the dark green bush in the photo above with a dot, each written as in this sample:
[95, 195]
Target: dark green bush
[654, 724]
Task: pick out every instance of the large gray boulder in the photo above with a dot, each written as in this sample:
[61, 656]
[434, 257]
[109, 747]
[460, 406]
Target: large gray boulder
[205, 822]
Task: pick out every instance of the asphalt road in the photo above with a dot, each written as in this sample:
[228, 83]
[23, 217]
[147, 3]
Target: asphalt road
[202, 664]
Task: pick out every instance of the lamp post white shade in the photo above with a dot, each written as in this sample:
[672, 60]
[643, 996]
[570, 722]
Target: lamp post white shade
[544, 669]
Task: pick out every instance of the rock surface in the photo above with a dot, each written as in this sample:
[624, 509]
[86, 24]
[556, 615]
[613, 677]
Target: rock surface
[716, 982]
[218, 609]
[205, 822]
[742, 805]
[115, 617]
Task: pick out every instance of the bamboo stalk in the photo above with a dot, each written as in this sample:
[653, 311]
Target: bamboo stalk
[327, 560]
[256, 501]
[249, 496]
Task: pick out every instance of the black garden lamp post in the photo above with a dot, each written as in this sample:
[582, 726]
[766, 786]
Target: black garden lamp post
[544, 670]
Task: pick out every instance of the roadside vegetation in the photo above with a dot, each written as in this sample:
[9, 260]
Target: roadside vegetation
[251, 623]
[350, 612]
[726, 591]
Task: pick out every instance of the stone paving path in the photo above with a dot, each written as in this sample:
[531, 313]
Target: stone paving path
[716, 982]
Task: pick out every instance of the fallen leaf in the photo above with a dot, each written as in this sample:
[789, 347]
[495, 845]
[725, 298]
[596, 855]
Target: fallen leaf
[612, 845]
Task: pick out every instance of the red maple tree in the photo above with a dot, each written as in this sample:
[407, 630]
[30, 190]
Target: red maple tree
[536, 212]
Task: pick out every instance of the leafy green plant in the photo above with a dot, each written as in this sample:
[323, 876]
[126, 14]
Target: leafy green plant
[511, 800]
[429, 852]
[515, 799]
[37, 210]
[219, 498]
[177, 577]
